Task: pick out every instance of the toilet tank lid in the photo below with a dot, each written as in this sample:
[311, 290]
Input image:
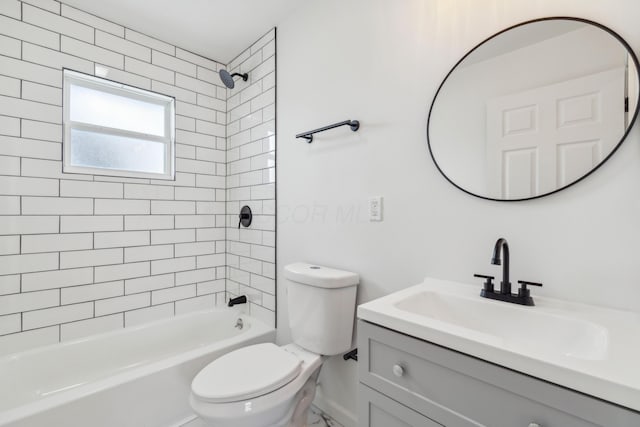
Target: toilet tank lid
[318, 276]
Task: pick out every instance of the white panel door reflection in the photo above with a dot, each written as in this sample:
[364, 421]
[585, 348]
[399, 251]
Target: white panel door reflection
[543, 139]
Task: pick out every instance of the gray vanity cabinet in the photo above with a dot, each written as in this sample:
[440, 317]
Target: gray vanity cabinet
[384, 412]
[405, 381]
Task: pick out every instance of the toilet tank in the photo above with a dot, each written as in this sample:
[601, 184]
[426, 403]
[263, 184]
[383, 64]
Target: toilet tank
[321, 304]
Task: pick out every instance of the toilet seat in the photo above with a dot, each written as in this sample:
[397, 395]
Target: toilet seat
[246, 373]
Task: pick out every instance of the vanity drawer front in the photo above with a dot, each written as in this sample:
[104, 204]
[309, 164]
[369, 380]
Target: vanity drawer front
[377, 410]
[458, 390]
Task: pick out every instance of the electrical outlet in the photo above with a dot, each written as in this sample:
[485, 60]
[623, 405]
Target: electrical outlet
[375, 209]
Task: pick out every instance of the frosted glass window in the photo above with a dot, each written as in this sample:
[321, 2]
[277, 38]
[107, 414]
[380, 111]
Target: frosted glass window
[114, 129]
[98, 150]
[104, 109]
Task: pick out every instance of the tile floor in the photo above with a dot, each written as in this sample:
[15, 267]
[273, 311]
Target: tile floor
[316, 419]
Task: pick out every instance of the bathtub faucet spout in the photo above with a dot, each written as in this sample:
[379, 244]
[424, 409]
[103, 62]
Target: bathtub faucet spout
[242, 299]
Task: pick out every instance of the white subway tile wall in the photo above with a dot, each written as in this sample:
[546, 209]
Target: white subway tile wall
[83, 254]
[251, 157]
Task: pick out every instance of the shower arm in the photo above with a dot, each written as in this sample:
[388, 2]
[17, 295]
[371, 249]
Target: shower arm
[353, 124]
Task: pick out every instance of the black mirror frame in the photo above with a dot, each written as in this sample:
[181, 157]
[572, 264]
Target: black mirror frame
[568, 18]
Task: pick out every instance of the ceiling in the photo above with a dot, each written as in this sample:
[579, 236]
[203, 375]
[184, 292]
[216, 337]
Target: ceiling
[216, 29]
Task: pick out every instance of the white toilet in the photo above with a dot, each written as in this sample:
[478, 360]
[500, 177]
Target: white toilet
[264, 385]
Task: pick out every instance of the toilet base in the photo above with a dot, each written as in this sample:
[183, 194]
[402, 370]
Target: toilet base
[301, 411]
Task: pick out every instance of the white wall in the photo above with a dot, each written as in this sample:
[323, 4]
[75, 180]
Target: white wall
[381, 61]
[83, 254]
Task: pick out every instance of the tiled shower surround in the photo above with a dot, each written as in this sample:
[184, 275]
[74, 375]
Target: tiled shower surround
[251, 178]
[83, 254]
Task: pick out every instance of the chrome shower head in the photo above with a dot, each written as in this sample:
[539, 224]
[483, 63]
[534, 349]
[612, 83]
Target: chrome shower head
[227, 78]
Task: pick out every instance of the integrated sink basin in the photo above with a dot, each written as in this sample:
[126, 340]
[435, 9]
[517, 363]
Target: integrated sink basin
[510, 326]
[590, 349]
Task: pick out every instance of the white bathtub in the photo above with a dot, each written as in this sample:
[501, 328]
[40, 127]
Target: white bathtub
[137, 377]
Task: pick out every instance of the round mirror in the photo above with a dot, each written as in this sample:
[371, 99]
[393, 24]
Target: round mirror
[534, 109]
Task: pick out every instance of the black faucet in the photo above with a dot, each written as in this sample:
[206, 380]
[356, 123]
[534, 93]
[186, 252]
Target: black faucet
[523, 296]
[501, 244]
[242, 299]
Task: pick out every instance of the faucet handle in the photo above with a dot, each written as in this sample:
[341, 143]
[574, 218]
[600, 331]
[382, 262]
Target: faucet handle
[524, 283]
[488, 284]
[523, 292]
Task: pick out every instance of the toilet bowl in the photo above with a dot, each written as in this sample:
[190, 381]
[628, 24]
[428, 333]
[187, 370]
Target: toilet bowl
[265, 385]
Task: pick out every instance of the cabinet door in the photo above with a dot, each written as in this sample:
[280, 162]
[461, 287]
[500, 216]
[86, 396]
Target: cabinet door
[377, 410]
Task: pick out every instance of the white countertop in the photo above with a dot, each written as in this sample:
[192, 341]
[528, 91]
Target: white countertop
[590, 349]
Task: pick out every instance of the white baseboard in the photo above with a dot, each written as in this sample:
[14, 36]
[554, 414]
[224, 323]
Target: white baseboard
[334, 409]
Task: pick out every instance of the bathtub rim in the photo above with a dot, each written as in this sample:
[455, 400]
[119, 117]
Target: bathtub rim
[118, 331]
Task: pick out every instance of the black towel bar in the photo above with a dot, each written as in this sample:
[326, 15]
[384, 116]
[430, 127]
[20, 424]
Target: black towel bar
[353, 124]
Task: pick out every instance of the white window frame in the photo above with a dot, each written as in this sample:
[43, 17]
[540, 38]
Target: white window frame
[114, 88]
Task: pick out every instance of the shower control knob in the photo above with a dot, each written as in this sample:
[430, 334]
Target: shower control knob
[245, 216]
[398, 370]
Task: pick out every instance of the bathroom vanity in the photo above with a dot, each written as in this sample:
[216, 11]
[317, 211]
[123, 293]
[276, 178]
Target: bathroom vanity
[432, 369]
